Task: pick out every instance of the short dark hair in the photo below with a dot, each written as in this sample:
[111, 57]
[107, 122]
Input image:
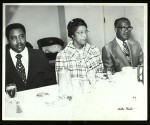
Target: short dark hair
[117, 21]
[73, 25]
[14, 26]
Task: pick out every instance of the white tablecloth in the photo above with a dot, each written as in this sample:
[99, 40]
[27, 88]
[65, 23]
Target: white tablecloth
[121, 98]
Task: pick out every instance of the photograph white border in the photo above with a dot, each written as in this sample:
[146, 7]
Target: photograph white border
[74, 4]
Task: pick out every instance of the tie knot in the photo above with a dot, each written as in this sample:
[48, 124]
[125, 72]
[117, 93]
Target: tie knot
[18, 56]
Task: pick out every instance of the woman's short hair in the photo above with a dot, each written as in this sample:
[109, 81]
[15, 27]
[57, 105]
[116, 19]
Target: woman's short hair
[119, 20]
[74, 24]
[14, 26]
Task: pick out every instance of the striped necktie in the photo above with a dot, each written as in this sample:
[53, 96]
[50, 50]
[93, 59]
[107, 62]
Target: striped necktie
[20, 68]
[126, 52]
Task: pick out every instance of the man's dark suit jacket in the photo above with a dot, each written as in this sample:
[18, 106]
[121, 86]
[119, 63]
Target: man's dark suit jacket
[112, 55]
[39, 71]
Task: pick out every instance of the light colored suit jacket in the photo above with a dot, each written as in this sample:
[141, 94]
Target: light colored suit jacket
[113, 56]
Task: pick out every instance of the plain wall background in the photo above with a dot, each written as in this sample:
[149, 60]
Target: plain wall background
[51, 21]
[92, 15]
[39, 21]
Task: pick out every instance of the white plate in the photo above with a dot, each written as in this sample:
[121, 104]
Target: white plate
[127, 69]
[42, 94]
[57, 102]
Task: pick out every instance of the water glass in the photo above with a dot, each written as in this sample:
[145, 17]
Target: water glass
[65, 84]
[140, 73]
[11, 91]
[91, 75]
[109, 73]
[85, 85]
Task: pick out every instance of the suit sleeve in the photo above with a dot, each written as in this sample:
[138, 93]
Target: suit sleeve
[106, 58]
[49, 77]
[141, 56]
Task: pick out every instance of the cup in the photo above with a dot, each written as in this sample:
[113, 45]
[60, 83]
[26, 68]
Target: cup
[11, 91]
[65, 84]
[109, 73]
[85, 85]
[91, 75]
[140, 73]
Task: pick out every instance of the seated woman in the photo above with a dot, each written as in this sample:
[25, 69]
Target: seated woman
[78, 56]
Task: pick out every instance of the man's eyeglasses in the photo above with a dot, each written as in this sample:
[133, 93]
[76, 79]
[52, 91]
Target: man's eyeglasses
[125, 28]
[81, 33]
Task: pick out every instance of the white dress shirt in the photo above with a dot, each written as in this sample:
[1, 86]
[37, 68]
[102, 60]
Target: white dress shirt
[121, 43]
[24, 59]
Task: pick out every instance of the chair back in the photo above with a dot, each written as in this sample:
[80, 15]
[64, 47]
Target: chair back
[51, 46]
[29, 45]
[48, 41]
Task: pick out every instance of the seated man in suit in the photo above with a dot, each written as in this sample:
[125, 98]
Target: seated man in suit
[122, 51]
[27, 68]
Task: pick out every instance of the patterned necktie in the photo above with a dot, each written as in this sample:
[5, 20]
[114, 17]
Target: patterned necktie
[20, 68]
[126, 52]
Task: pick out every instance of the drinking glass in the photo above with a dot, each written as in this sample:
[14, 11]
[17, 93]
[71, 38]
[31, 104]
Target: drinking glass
[65, 84]
[109, 73]
[85, 85]
[11, 91]
[91, 75]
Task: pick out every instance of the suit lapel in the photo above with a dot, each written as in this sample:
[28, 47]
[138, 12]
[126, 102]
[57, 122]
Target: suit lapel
[10, 65]
[31, 65]
[118, 52]
[131, 47]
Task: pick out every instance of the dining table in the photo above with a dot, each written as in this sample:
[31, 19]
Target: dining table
[121, 97]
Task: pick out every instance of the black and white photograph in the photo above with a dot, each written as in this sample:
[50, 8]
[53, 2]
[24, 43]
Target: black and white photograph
[74, 61]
